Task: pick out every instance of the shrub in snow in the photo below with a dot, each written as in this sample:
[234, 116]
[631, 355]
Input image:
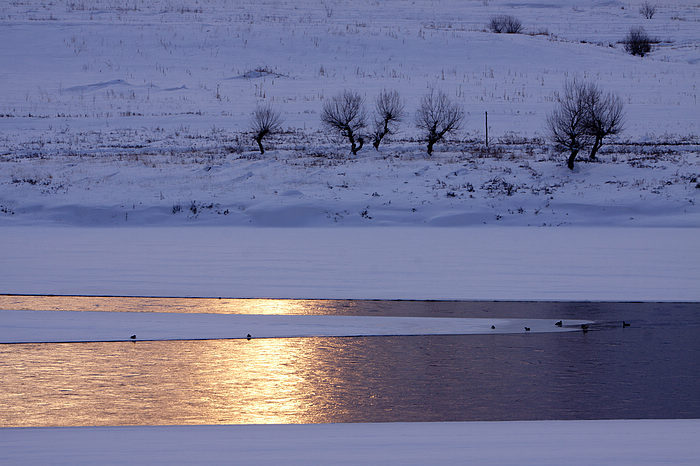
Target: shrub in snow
[438, 116]
[647, 10]
[265, 121]
[637, 42]
[345, 114]
[390, 111]
[505, 23]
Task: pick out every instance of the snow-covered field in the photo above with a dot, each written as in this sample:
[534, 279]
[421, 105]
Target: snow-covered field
[137, 113]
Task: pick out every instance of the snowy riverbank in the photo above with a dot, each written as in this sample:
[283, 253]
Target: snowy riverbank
[462, 184]
[639, 442]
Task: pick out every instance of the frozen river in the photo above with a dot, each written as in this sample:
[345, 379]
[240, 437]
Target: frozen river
[648, 370]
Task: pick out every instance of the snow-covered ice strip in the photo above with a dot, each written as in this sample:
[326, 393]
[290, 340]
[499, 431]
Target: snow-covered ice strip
[77, 326]
[618, 442]
[508, 263]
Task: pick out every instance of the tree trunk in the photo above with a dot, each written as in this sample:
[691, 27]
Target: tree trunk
[380, 135]
[377, 139]
[384, 132]
[430, 146]
[356, 147]
[351, 138]
[572, 157]
[596, 145]
[259, 141]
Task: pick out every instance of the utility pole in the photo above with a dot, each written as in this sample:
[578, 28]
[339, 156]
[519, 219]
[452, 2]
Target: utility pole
[486, 118]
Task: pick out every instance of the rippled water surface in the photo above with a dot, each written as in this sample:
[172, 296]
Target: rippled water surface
[648, 370]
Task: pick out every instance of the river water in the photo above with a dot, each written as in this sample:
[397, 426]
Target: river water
[648, 370]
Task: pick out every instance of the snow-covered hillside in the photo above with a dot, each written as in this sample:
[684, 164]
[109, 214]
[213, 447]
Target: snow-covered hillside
[138, 112]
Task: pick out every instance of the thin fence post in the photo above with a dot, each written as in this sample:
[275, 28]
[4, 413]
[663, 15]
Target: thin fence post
[486, 118]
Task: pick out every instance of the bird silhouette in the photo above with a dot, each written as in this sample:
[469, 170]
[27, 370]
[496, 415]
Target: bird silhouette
[493, 327]
[559, 324]
[248, 337]
[527, 329]
[133, 337]
[625, 324]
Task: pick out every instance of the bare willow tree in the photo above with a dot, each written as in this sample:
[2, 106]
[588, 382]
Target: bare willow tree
[604, 116]
[438, 116]
[584, 116]
[266, 120]
[567, 122]
[390, 111]
[345, 114]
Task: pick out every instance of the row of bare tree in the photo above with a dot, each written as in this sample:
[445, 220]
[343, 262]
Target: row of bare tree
[583, 118]
[346, 115]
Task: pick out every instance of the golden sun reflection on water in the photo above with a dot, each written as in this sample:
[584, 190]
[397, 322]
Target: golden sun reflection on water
[186, 382]
[262, 306]
[263, 381]
[179, 305]
[373, 379]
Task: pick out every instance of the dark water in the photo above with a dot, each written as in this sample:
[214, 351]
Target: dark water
[648, 370]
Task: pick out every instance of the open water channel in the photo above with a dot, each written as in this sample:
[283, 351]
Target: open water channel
[650, 369]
